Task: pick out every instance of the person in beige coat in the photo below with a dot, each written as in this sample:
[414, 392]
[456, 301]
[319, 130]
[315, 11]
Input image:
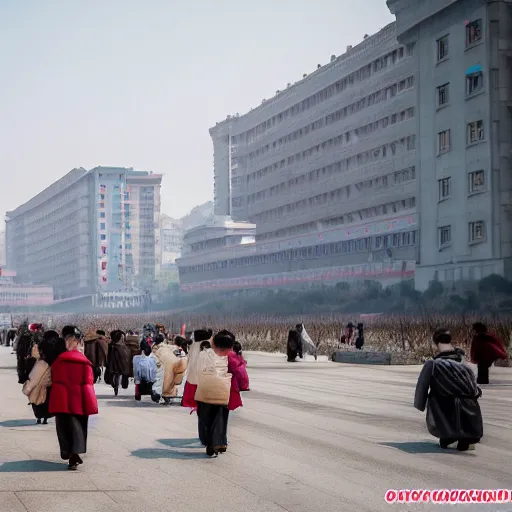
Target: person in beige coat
[39, 382]
[173, 367]
[213, 393]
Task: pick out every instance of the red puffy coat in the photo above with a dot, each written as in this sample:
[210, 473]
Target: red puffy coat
[487, 348]
[72, 385]
[239, 380]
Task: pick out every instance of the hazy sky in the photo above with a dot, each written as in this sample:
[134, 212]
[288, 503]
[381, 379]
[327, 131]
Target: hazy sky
[139, 82]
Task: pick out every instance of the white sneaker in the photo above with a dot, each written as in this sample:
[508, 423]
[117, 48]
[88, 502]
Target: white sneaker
[471, 448]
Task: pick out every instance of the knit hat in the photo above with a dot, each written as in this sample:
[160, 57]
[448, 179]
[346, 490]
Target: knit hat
[202, 334]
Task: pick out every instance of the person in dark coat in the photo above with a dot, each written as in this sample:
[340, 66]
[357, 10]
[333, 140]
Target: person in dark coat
[294, 345]
[453, 411]
[96, 350]
[25, 361]
[119, 362]
[486, 348]
[72, 399]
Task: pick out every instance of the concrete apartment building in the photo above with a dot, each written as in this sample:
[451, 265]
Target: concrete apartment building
[89, 232]
[326, 170]
[2, 249]
[463, 63]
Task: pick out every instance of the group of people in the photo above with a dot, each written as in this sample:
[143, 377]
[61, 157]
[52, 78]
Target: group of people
[449, 390]
[58, 373]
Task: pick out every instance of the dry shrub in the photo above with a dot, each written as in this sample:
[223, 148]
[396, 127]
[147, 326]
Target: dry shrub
[395, 334]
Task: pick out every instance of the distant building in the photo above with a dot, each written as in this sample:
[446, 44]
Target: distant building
[326, 170]
[219, 233]
[171, 237]
[13, 294]
[91, 232]
[2, 249]
[463, 63]
[198, 216]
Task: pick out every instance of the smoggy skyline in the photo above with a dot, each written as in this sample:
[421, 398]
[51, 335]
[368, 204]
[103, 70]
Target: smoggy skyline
[138, 84]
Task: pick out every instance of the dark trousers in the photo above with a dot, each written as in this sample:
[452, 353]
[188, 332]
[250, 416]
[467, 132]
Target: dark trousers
[72, 434]
[462, 444]
[483, 374]
[212, 424]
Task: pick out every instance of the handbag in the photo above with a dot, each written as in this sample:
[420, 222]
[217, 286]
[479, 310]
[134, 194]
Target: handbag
[214, 381]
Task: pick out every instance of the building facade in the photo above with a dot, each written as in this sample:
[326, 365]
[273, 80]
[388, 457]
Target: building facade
[89, 232]
[326, 171]
[2, 249]
[463, 62]
[197, 216]
[14, 294]
[171, 236]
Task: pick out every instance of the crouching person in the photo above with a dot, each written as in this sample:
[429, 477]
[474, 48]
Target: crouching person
[213, 393]
[447, 388]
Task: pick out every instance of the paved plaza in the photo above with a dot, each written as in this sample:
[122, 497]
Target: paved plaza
[312, 437]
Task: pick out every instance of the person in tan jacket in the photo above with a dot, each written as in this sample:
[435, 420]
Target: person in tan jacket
[38, 385]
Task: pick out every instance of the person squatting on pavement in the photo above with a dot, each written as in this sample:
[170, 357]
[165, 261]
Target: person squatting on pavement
[453, 411]
[222, 375]
[72, 399]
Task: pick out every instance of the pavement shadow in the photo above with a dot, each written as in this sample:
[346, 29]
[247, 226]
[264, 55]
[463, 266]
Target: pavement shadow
[415, 447]
[18, 423]
[181, 443]
[131, 403]
[31, 466]
[161, 453]
[113, 397]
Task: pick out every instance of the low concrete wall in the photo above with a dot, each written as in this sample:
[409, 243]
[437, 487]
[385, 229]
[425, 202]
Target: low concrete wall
[361, 357]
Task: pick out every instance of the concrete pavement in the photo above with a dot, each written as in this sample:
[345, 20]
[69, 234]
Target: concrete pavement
[311, 437]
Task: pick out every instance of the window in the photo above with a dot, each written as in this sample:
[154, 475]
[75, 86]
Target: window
[103, 237]
[473, 32]
[102, 215]
[445, 236]
[476, 231]
[475, 131]
[442, 48]
[442, 95]
[102, 226]
[476, 181]
[474, 83]
[443, 142]
[445, 188]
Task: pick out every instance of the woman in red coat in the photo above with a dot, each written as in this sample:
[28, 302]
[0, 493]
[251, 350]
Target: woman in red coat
[237, 367]
[486, 348]
[73, 399]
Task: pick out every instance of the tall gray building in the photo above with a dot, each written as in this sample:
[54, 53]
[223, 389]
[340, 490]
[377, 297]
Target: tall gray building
[463, 64]
[89, 232]
[326, 169]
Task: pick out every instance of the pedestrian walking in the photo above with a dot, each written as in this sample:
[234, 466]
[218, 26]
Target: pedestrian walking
[119, 362]
[486, 348]
[448, 388]
[72, 399]
[191, 378]
[213, 394]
